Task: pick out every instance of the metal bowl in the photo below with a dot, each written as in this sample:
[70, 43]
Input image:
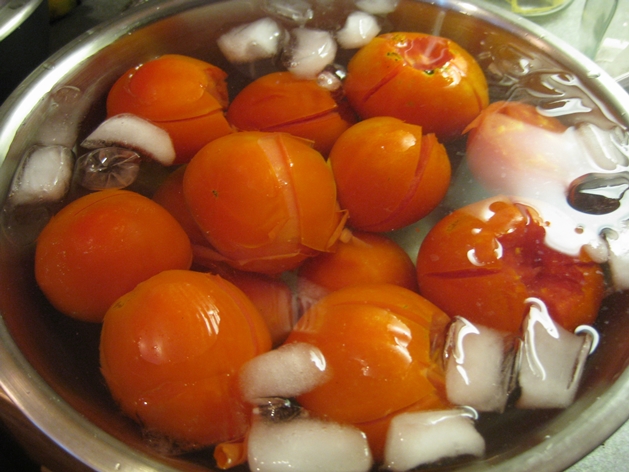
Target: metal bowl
[49, 363]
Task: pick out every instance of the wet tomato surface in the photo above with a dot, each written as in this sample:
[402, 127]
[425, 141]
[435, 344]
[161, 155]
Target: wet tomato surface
[484, 260]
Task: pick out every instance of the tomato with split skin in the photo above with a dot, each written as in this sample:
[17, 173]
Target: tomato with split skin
[170, 350]
[377, 341]
[102, 245]
[419, 78]
[265, 201]
[283, 102]
[185, 96]
[389, 173]
[483, 261]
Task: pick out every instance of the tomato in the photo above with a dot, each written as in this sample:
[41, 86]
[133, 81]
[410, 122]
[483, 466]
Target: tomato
[265, 201]
[376, 341]
[170, 350]
[388, 173]
[484, 260]
[512, 147]
[170, 195]
[182, 95]
[283, 102]
[419, 78]
[102, 245]
[366, 258]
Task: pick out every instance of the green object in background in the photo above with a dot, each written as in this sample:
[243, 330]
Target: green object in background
[60, 8]
[536, 7]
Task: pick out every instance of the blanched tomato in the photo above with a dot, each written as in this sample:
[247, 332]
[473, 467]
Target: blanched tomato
[265, 201]
[170, 195]
[483, 261]
[376, 341]
[388, 173]
[102, 245]
[422, 79]
[184, 96]
[170, 350]
[366, 258]
[283, 102]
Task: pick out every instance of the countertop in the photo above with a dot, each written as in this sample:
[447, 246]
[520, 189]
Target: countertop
[613, 455]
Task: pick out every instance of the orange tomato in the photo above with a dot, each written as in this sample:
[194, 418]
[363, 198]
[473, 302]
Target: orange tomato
[366, 258]
[376, 341]
[265, 201]
[170, 351]
[483, 261]
[422, 79]
[170, 195]
[283, 102]
[182, 95]
[102, 245]
[388, 173]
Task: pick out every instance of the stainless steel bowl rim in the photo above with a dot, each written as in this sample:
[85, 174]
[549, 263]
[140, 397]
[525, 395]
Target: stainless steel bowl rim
[13, 13]
[102, 452]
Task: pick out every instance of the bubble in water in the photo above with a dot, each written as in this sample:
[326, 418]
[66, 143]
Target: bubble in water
[105, 168]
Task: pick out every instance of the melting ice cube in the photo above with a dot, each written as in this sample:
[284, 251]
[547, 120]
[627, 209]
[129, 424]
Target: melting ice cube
[299, 11]
[44, 175]
[420, 438]
[110, 167]
[307, 445]
[360, 28]
[253, 41]
[311, 51]
[479, 366]
[377, 7]
[551, 360]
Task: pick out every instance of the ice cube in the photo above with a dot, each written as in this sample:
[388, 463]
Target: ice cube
[479, 366]
[44, 175]
[617, 240]
[311, 51]
[551, 360]
[307, 445]
[377, 7]
[135, 133]
[423, 437]
[253, 41]
[110, 167]
[67, 106]
[288, 371]
[298, 11]
[360, 28]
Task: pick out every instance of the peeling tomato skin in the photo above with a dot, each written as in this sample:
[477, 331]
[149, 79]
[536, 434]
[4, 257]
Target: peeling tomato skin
[266, 201]
[182, 95]
[484, 268]
[282, 102]
[388, 173]
[421, 79]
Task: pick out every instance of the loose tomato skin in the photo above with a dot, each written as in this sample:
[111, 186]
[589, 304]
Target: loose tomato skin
[483, 261]
[265, 201]
[376, 341]
[184, 96]
[388, 173]
[283, 102]
[170, 350]
[366, 258]
[419, 78]
[102, 245]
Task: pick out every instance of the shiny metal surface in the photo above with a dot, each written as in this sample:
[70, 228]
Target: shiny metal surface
[80, 418]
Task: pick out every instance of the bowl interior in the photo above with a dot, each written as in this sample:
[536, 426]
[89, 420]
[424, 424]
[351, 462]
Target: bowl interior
[50, 362]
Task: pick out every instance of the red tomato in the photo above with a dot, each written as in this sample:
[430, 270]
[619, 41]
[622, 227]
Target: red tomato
[170, 195]
[483, 261]
[366, 258]
[282, 102]
[102, 245]
[422, 79]
[184, 96]
[376, 340]
[388, 173]
[265, 201]
[170, 350]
